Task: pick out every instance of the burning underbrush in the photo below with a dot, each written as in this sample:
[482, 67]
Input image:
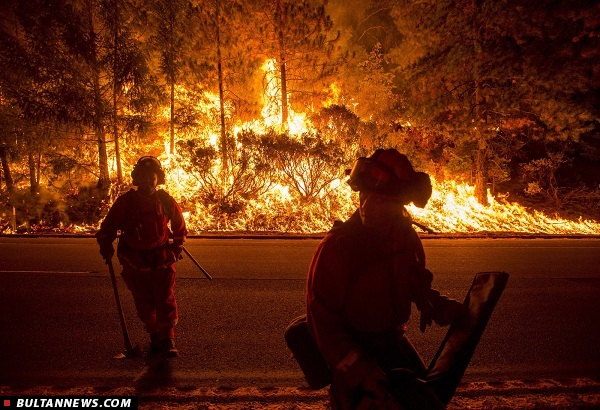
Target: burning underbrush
[275, 183]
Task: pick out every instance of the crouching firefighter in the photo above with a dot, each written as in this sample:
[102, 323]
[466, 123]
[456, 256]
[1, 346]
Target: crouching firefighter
[142, 216]
[364, 276]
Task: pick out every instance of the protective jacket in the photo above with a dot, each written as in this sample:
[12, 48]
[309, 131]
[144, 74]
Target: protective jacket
[144, 225]
[360, 282]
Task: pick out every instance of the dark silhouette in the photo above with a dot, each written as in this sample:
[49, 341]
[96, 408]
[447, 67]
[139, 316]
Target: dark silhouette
[142, 216]
[362, 280]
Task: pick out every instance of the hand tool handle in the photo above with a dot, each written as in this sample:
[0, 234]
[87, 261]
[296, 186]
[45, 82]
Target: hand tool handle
[197, 264]
[126, 338]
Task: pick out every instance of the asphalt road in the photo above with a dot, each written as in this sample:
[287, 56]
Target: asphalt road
[59, 324]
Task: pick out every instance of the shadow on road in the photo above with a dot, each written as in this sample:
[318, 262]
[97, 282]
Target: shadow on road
[158, 372]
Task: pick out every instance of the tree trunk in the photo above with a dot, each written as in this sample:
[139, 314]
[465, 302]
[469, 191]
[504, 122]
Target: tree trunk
[172, 79]
[224, 154]
[172, 119]
[8, 180]
[284, 96]
[103, 175]
[481, 177]
[116, 90]
[34, 185]
[116, 139]
[480, 113]
[282, 69]
[98, 125]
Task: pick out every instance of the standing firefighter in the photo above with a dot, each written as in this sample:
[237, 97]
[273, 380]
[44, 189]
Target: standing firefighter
[362, 280]
[144, 250]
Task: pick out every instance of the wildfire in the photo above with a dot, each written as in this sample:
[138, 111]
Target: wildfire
[453, 207]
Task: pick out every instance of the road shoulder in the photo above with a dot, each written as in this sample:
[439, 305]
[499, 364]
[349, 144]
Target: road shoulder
[582, 393]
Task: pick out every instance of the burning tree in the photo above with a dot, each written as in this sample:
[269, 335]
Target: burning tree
[307, 164]
[171, 23]
[228, 63]
[298, 36]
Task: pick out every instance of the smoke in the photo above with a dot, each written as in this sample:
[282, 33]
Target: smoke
[348, 14]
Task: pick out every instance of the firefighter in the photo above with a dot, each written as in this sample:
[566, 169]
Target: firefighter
[142, 216]
[364, 276]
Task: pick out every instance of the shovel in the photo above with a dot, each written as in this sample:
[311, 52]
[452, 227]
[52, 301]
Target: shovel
[130, 350]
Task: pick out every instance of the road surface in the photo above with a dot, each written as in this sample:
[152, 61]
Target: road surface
[59, 324]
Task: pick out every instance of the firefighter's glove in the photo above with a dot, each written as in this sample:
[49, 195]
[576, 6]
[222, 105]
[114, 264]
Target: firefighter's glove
[446, 311]
[374, 385]
[425, 278]
[426, 315]
[420, 283]
[177, 249]
[107, 251]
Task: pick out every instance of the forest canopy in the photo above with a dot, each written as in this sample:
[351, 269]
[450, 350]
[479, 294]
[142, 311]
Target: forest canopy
[256, 108]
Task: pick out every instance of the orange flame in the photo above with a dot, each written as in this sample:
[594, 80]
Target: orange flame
[297, 123]
[453, 208]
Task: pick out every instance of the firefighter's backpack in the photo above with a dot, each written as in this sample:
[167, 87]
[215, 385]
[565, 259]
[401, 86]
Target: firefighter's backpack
[147, 225]
[304, 349]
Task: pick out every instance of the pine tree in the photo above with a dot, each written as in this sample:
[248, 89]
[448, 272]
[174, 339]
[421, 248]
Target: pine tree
[77, 58]
[299, 36]
[367, 87]
[365, 84]
[480, 70]
[227, 61]
[10, 51]
[125, 63]
[172, 39]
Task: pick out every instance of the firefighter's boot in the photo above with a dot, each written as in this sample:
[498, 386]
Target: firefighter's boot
[155, 344]
[169, 349]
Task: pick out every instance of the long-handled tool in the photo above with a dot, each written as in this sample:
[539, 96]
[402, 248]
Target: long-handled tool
[130, 350]
[197, 264]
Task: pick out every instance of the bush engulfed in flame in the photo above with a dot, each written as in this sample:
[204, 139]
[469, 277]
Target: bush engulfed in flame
[274, 183]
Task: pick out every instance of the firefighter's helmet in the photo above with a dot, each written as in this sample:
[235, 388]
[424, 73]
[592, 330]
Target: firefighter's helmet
[145, 164]
[388, 172]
